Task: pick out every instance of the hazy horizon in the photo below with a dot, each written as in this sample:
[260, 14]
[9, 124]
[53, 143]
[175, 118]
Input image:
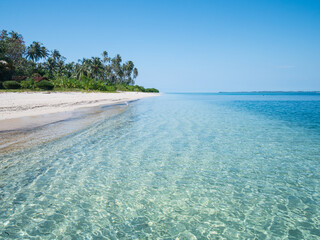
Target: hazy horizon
[185, 46]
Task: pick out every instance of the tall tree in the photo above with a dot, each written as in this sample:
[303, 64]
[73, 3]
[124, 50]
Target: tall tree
[135, 73]
[56, 55]
[36, 51]
[96, 67]
[70, 69]
[127, 70]
[12, 48]
[60, 67]
[116, 67]
[50, 65]
[15, 35]
[106, 58]
[83, 68]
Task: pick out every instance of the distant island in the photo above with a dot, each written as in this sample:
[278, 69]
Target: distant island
[35, 68]
[272, 92]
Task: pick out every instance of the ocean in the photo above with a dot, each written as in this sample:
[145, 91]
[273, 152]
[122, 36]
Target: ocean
[178, 166]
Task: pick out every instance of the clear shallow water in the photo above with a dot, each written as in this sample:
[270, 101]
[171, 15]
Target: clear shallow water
[181, 166]
[17, 134]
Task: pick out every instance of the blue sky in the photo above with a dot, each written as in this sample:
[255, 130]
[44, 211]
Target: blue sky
[184, 46]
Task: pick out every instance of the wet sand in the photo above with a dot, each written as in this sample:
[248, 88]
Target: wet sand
[26, 132]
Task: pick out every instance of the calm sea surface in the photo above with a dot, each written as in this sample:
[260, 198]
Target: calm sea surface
[179, 166]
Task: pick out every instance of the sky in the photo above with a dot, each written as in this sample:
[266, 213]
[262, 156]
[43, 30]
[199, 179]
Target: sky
[184, 45]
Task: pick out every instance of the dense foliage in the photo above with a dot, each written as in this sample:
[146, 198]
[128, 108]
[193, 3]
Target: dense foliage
[11, 85]
[45, 85]
[29, 65]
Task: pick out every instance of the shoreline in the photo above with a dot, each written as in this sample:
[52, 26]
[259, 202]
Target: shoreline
[44, 122]
[15, 105]
[27, 132]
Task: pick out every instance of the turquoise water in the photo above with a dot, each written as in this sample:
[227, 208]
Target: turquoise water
[179, 166]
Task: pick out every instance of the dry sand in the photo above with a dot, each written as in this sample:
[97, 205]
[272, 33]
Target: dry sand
[26, 104]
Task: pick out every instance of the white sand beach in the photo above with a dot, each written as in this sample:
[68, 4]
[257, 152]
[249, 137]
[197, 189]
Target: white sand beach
[26, 104]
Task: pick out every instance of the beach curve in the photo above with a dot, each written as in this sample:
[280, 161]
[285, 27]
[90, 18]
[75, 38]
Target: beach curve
[27, 104]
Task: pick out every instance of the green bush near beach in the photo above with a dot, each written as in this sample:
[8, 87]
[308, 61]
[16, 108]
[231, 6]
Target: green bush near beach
[86, 83]
[11, 85]
[152, 90]
[45, 85]
[71, 84]
[28, 84]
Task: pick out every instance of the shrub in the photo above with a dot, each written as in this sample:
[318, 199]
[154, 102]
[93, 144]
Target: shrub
[95, 85]
[27, 84]
[45, 85]
[138, 88]
[121, 88]
[152, 90]
[87, 83]
[64, 82]
[11, 85]
[135, 88]
[111, 88]
[130, 88]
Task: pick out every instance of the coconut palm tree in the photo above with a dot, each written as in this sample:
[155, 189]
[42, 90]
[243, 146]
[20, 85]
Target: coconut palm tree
[96, 67]
[56, 55]
[70, 69]
[127, 69]
[60, 66]
[36, 51]
[83, 68]
[107, 73]
[106, 58]
[15, 35]
[50, 65]
[135, 73]
[116, 67]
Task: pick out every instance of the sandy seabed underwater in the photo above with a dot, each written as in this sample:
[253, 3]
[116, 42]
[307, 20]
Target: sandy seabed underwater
[186, 166]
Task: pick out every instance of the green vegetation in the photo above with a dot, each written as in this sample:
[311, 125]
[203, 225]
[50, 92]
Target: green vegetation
[11, 85]
[45, 85]
[35, 68]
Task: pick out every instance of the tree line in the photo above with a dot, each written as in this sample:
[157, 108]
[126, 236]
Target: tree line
[28, 65]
